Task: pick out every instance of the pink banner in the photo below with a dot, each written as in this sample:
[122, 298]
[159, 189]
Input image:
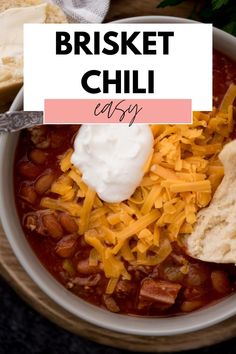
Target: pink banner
[94, 111]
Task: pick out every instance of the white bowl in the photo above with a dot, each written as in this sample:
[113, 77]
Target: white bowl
[146, 326]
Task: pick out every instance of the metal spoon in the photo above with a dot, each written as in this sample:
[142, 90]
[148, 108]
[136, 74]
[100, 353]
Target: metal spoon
[11, 122]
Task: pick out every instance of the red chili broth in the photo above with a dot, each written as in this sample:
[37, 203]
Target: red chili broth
[44, 247]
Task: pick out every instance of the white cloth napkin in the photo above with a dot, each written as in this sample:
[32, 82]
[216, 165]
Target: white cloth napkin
[85, 11]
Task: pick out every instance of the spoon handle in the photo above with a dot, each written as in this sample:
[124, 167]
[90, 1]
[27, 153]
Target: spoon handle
[11, 122]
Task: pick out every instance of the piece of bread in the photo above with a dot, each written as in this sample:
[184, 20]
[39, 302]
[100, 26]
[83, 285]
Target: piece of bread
[53, 13]
[11, 69]
[11, 79]
[214, 237]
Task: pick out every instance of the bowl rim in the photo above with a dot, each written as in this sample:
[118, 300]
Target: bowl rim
[114, 322]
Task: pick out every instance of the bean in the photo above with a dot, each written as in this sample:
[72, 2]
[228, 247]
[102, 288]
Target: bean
[52, 225]
[44, 182]
[197, 275]
[68, 223]
[189, 306]
[29, 169]
[38, 156]
[66, 246]
[83, 267]
[220, 281]
[110, 303]
[28, 193]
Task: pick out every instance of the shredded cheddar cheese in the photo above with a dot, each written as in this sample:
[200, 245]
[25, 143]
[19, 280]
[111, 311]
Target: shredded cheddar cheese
[180, 177]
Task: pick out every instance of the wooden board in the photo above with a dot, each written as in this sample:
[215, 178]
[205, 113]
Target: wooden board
[12, 271]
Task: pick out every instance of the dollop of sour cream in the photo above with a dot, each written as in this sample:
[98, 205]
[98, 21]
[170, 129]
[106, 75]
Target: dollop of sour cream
[111, 158]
